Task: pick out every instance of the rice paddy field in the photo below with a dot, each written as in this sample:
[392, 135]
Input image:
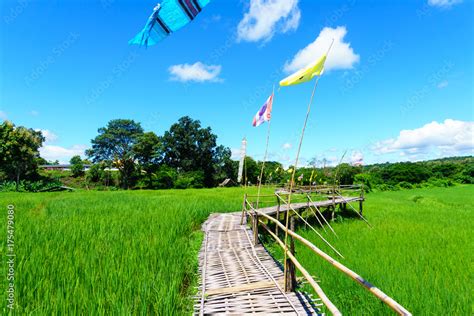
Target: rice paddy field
[135, 252]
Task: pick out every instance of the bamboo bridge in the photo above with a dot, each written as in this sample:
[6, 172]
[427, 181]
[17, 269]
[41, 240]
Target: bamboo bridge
[239, 276]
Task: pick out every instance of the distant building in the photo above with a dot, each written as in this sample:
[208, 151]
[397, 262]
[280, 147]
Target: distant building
[62, 167]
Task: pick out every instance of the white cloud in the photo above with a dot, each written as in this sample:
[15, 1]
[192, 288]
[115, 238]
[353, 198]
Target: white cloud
[443, 3]
[197, 72]
[34, 113]
[443, 84]
[287, 146]
[48, 135]
[235, 153]
[341, 56]
[357, 158]
[63, 154]
[451, 137]
[3, 116]
[266, 17]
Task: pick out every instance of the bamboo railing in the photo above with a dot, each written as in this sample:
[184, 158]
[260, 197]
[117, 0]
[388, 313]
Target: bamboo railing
[256, 216]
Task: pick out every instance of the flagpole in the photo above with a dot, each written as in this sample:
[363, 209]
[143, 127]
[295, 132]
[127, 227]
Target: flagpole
[296, 163]
[266, 151]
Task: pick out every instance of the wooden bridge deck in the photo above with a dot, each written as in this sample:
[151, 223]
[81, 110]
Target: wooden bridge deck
[325, 203]
[238, 277]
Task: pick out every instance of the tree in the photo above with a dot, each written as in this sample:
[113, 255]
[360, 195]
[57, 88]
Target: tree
[225, 167]
[114, 145]
[189, 147]
[148, 152]
[251, 171]
[345, 173]
[405, 171]
[19, 151]
[77, 166]
[272, 171]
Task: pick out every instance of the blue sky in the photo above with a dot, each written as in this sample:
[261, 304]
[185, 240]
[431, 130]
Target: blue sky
[398, 83]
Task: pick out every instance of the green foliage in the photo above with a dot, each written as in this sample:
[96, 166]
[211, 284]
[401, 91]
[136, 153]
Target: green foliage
[418, 252]
[193, 179]
[189, 147]
[345, 173]
[96, 172]
[251, 171]
[366, 179]
[165, 178]
[405, 171]
[273, 172]
[77, 166]
[405, 185]
[110, 253]
[98, 244]
[224, 166]
[28, 186]
[114, 146]
[148, 152]
[19, 153]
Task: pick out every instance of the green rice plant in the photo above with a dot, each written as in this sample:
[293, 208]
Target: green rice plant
[97, 253]
[420, 252]
[135, 252]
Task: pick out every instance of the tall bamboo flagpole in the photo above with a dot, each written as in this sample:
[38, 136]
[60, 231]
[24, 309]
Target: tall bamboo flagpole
[297, 159]
[266, 150]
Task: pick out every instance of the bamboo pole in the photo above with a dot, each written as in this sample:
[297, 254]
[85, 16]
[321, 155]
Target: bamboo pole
[298, 153]
[317, 233]
[266, 151]
[360, 215]
[314, 205]
[374, 290]
[244, 209]
[326, 301]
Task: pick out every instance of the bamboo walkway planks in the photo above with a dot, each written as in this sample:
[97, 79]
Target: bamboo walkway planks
[238, 277]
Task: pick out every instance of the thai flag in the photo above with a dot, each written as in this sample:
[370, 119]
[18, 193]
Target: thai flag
[264, 113]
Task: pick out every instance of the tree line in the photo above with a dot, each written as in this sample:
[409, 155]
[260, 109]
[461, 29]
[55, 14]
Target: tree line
[187, 156]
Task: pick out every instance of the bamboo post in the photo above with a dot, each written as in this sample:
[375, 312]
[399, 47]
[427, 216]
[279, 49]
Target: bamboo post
[361, 202]
[277, 215]
[290, 276]
[244, 209]
[390, 302]
[331, 307]
[255, 229]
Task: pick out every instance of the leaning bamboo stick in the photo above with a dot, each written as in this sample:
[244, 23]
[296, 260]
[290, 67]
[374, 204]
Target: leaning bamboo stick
[399, 309]
[331, 307]
[312, 228]
[360, 215]
[314, 205]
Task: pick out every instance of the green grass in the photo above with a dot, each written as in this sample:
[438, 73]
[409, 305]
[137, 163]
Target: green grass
[135, 252]
[420, 252]
[108, 252]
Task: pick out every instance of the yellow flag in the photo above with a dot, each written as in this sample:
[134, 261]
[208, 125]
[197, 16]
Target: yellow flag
[305, 74]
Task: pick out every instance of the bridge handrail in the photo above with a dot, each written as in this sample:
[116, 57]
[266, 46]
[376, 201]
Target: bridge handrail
[326, 301]
[390, 302]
